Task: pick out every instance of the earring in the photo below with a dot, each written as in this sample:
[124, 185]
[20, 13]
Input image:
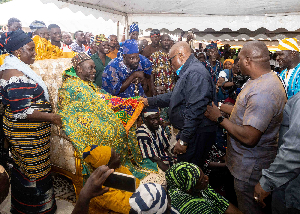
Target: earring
[19, 56]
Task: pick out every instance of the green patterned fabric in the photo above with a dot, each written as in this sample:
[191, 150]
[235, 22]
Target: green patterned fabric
[183, 177]
[91, 119]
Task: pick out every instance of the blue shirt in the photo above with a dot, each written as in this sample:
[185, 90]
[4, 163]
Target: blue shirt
[116, 72]
[292, 85]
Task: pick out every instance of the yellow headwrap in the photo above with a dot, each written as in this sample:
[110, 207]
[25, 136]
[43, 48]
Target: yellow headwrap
[97, 155]
[230, 60]
[288, 44]
[100, 38]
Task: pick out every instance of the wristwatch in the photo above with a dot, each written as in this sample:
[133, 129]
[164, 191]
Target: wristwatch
[182, 143]
[220, 119]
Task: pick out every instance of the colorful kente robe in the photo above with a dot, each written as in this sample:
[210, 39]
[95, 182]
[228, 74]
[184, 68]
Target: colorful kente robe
[162, 70]
[93, 117]
[291, 80]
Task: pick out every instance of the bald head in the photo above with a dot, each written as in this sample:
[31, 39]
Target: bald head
[257, 51]
[179, 53]
[254, 58]
[182, 47]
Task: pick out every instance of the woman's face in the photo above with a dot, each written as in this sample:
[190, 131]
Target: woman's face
[27, 53]
[228, 65]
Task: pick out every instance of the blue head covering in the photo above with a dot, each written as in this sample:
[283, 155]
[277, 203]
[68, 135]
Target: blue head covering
[211, 46]
[134, 27]
[130, 46]
[13, 40]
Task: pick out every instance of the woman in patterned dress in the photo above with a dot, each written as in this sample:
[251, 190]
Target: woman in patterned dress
[27, 122]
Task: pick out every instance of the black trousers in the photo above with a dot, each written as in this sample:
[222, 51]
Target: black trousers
[198, 148]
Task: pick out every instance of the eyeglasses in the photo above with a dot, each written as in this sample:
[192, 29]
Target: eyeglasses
[170, 60]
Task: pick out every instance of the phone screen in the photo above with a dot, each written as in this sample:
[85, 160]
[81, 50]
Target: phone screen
[121, 181]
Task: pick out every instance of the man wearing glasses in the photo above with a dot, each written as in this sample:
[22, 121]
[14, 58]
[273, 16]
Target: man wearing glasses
[187, 103]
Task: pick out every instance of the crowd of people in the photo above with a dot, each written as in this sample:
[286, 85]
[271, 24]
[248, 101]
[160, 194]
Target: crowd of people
[221, 125]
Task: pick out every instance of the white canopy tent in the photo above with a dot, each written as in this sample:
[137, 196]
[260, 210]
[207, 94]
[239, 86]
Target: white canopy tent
[69, 19]
[198, 14]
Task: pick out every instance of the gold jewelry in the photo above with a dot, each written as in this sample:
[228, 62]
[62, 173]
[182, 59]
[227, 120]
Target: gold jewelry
[19, 56]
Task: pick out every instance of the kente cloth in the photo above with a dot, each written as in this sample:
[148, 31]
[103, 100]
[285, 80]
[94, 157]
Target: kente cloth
[116, 72]
[31, 196]
[288, 44]
[45, 50]
[115, 200]
[149, 198]
[100, 38]
[154, 144]
[213, 70]
[162, 70]
[76, 48]
[291, 80]
[99, 68]
[29, 140]
[183, 177]
[113, 54]
[90, 116]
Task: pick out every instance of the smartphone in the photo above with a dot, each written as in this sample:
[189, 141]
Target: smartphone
[121, 181]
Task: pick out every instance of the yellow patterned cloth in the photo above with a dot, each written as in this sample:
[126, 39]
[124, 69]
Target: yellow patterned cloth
[288, 44]
[45, 50]
[91, 118]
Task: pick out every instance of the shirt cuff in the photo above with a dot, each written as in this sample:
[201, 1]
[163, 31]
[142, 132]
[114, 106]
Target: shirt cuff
[184, 138]
[266, 185]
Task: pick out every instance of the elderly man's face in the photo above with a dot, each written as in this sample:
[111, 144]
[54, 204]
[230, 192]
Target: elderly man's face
[132, 60]
[86, 70]
[284, 58]
[166, 42]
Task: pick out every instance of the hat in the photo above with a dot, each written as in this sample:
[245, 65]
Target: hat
[130, 46]
[154, 32]
[35, 25]
[211, 46]
[288, 44]
[149, 198]
[97, 155]
[183, 176]
[229, 60]
[13, 40]
[100, 38]
[150, 111]
[134, 27]
[79, 58]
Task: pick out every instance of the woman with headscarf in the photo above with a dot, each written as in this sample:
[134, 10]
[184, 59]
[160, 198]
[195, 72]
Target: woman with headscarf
[27, 123]
[190, 192]
[100, 59]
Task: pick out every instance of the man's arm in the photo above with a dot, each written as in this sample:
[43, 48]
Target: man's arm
[245, 134]
[226, 108]
[91, 189]
[286, 165]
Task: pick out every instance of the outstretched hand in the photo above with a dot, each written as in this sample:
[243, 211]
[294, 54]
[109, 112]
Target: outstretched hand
[93, 185]
[144, 100]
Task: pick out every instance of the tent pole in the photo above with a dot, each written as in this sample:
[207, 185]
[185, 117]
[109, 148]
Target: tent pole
[126, 25]
[118, 30]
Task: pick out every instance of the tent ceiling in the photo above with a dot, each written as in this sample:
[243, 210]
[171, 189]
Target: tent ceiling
[198, 14]
[196, 7]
